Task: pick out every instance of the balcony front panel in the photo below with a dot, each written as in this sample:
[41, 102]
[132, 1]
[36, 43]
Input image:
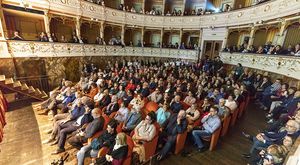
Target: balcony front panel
[262, 12]
[284, 65]
[47, 49]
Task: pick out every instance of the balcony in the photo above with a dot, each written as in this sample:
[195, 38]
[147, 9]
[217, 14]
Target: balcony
[48, 49]
[284, 65]
[258, 13]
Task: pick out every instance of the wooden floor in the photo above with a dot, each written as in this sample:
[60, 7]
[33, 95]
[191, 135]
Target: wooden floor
[24, 134]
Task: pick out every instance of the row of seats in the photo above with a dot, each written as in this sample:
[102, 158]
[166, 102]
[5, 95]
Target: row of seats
[150, 147]
[3, 109]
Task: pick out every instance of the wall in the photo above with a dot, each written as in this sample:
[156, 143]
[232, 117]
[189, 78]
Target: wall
[291, 38]
[260, 38]
[30, 28]
[133, 35]
[233, 39]
[61, 28]
[174, 4]
[214, 34]
[194, 5]
[90, 32]
[158, 4]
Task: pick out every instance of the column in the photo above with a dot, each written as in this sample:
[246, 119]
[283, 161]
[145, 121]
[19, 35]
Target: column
[3, 29]
[78, 27]
[161, 37]
[251, 39]
[101, 30]
[183, 6]
[143, 6]
[123, 34]
[200, 38]
[142, 35]
[180, 35]
[163, 7]
[282, 32]
[225, 40]
[47, 20]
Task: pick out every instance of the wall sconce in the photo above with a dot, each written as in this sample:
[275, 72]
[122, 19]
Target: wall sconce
[25, 4]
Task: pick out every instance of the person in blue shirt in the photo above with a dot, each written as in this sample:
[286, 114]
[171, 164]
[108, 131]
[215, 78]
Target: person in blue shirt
[210, 123]
[162, 114]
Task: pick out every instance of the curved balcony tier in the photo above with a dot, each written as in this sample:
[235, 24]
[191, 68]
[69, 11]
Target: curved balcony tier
[47, 49]
[284, 65]
[251, 15]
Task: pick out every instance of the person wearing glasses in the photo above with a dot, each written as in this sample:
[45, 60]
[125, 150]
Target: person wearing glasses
[118, 153]
[210, 123]
[265, 139]
[143, 132]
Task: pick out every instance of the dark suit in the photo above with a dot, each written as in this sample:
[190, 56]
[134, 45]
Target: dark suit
[105, 101]
[111, 108]
[170, 131]
[95, 126]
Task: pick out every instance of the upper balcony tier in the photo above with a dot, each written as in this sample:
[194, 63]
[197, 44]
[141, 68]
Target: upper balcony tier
[268, 11]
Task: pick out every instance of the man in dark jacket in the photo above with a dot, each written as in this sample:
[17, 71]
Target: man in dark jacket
[107, 139]
[87, 132]
[175, 125]
[70, 126]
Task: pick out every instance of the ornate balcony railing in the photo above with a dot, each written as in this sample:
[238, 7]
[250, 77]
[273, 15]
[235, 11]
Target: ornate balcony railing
[284, 65]
[262, 12]
[48, 49]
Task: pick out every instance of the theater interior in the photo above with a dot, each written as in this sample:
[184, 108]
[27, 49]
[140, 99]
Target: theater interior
[149, 82]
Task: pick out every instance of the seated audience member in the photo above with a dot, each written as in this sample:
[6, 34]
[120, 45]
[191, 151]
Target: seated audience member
[131, 85]
[175, 125]
[143, 132]
[175, 104]
[105, 99]
[145, 90]
[155, 96]
[215, 95]
[121, 93]
[231, 103]
[106, 139]
[133, 119]
[296, 52]
[87, 132]
[263, 140]
[17, 36]
[259, 155]
[268, 92]
[128, 97]
[162, 114]
[122, 113]
[118, 153]
[69, 126]
[93, 91]
[114, 90]
[137, 102]
[192, 114]
[205, 107]
[98, 97]
[113, 106]
[223, 111]
[260, 50]
[190, 99]
[210, 123]
[60, 119]
[43, 37]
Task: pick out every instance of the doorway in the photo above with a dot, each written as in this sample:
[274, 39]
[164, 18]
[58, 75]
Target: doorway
[211, 49]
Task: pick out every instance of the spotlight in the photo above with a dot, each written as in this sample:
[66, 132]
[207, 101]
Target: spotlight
[217, 10]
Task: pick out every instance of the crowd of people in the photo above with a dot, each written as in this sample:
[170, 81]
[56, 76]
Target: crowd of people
[268, 48]
[193, 97]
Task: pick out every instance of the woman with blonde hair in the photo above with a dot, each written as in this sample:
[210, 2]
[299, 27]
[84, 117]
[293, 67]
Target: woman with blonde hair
[119, 152]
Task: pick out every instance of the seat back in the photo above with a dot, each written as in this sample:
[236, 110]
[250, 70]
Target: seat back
[151, 106]
[242, 108]
[214, 139]
[180, 141]
[234, 117]
[130, 144]
[185, 106]
[150, 147]
[225, 125]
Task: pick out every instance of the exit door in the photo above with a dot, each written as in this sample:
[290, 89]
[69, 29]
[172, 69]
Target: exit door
[211, 49]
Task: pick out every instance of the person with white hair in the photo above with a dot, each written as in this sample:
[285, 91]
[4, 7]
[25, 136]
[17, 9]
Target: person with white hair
[265, 139]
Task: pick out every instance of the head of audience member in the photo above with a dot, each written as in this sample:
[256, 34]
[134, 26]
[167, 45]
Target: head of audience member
[79, 102]
[275, 154]
[111, 126]
[114, 99]
[150, 118]
[288, 142]
[297, 94]
[121, 139]
[177, 98]
[292, 90]
[221, 102]
[96, 113]
[237, 92]
[106, 92]
[213, 111]
[292, 126]
[190, 94]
